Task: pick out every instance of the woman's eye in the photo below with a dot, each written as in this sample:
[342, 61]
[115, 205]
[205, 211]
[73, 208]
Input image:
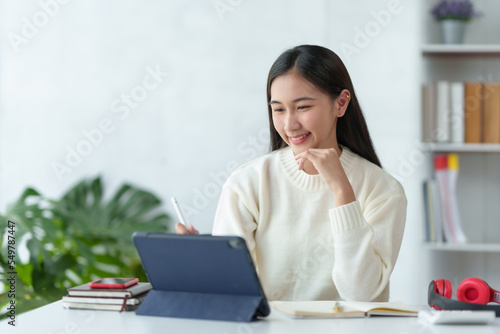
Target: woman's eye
[278, 110]
[304, 107]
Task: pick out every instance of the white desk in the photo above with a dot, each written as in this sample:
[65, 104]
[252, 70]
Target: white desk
[54, 319]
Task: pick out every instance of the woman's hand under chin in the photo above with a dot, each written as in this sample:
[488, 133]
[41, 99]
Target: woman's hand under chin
[327, 163]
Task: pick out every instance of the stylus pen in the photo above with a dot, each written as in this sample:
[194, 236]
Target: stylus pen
[178, 211]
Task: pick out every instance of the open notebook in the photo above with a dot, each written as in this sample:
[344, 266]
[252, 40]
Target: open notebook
[344, 309]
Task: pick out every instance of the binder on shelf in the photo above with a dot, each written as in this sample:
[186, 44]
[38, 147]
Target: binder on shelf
[491, 119]
[461, 112]
[457, 100]
[442, 115]
[473, 112]
[443, 112]
[428, 112]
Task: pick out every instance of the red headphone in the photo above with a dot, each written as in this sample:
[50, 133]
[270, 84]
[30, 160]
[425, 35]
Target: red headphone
[471, 290]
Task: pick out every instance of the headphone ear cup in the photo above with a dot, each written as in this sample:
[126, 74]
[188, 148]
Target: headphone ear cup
[443, 288]
[473, 290]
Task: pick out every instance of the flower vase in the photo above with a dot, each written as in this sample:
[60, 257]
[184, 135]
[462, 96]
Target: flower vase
[452, 31]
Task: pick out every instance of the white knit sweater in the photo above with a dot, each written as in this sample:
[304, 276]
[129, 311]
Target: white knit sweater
[303, 247]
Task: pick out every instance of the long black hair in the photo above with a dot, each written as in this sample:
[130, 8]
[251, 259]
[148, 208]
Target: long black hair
[326, 71]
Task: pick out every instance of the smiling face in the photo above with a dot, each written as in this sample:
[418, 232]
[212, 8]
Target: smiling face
[304, 116]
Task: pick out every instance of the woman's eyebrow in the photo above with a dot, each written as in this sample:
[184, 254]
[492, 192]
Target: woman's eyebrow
[305, 98]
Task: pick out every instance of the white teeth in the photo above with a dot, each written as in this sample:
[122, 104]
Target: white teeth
[299, 138]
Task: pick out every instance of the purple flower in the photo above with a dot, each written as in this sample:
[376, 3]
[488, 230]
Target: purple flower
[454, 10]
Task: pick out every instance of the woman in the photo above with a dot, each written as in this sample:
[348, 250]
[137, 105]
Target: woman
[322, 219]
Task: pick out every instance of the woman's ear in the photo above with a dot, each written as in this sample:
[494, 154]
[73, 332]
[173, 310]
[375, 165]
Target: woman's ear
[342, 102]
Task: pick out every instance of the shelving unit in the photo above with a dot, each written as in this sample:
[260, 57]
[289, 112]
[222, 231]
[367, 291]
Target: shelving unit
[478, 59]
[461, 148]
[460, 49]
[478, 192]
[468, 247]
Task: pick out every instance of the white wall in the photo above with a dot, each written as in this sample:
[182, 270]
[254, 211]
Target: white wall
[206, 112]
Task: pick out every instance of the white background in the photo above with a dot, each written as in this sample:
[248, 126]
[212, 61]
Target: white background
[208, 114]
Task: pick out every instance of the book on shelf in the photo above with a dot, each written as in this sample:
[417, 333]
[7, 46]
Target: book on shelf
[455, 220]
[85, 290]
[343, 309]
[491, 119]
[440, 202]
[461, 112]
[428, 121]
[436, 112]
[473, 112]
[432, 206]
[457, 110]
[442, 111]
[428, 210]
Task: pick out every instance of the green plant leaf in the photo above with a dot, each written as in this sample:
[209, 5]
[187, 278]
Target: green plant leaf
[78, 238]
[24, 273]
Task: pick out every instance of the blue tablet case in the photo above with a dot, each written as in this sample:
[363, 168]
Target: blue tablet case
[200, 277]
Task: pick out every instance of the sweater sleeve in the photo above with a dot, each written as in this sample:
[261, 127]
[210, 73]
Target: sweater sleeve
[236, 215]
[367, 245]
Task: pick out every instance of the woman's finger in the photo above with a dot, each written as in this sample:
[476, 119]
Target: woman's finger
[301, 159]
[181, 229]
[192, 230]
[301, 163]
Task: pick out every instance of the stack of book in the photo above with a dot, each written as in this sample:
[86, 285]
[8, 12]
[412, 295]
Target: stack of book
[461, 112]
[84, 297]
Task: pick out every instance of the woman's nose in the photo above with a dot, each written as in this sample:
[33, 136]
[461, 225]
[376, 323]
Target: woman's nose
[291, 122]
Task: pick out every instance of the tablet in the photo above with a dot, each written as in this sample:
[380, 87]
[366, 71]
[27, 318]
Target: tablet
[201, 276]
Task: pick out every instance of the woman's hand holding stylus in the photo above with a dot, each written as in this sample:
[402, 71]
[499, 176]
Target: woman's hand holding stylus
[181, 229]
[327, 163]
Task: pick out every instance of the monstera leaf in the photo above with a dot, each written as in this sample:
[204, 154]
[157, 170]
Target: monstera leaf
[79, 238]
[25, 224]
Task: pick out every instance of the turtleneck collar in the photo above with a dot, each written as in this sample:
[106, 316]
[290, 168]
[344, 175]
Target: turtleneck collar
[308, 182]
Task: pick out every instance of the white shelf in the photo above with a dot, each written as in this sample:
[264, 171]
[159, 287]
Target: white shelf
[465, 148]
[461, 49]
[467, 247]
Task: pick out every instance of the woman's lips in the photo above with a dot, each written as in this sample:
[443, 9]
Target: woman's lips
[297, 140]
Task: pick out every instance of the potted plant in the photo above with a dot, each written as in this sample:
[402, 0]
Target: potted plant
[452, 17]
[73, 240]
